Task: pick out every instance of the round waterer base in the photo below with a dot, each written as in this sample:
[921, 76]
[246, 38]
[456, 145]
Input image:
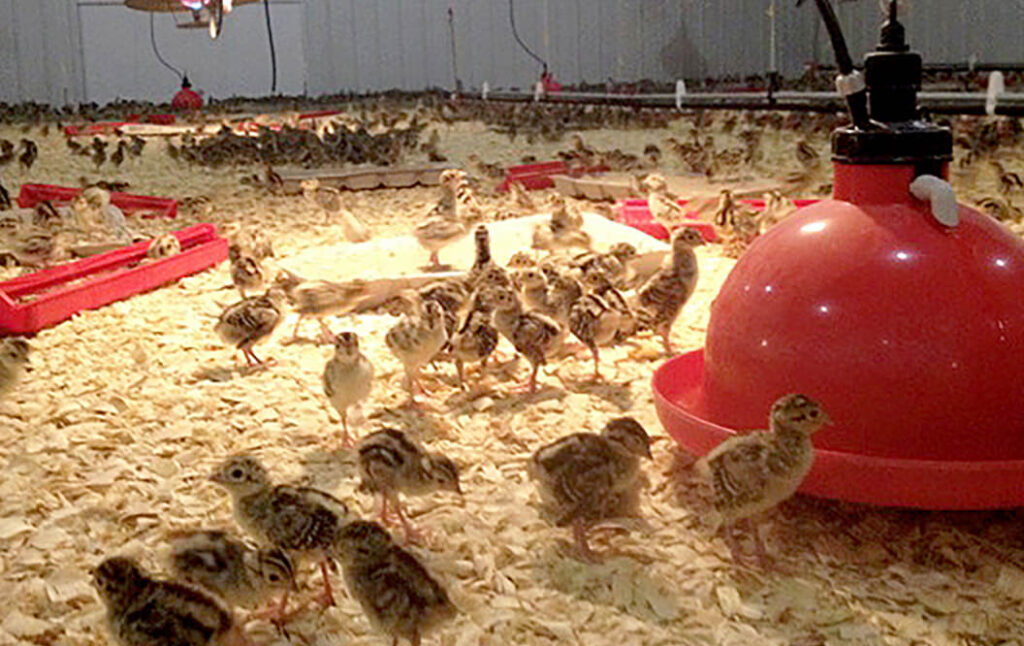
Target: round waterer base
[926, 484]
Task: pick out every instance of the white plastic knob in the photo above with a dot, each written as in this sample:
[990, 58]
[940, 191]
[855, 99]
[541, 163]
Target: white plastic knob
[939, 194]
[680, 93]
[538, 91]
[485, 91]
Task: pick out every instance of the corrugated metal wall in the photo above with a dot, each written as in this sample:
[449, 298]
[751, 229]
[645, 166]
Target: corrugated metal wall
[40, 57]
[71, 50]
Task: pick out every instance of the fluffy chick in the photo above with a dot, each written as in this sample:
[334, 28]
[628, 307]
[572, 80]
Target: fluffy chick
[14, 362]
[347, 378]
[143, 611]
[415, 339]
[321, 298]
[246, 272]
[251, 321]
[586, 478]
[661, 298]
[165, 246]
[753, 472]
[563, 231]
[302, 521]
[533, 334]
[329, 200]
[476, 340]
[398, 594]
[390, 463]
[238, 573]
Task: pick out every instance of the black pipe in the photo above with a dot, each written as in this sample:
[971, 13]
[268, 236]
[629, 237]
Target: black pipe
[787, 101]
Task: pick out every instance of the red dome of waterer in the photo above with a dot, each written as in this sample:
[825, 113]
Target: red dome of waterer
[909, 331]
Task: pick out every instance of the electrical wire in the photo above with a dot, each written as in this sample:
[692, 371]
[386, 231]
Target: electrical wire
[152, 40]
[451, 31]
[273, 52]
[515, 34]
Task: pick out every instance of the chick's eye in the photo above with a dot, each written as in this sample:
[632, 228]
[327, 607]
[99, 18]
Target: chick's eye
[237, 474]
[274, 578]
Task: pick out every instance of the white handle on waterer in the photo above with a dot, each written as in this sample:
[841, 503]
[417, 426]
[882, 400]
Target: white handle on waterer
[939, 194]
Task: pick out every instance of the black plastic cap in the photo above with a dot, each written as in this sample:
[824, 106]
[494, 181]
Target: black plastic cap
[900, 143]
[892, 74]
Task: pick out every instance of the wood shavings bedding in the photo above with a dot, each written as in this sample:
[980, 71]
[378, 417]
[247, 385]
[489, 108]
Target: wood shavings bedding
[106, 446]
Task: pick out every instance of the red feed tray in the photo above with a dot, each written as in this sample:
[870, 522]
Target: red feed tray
[32, 194]
[107, 127]
[634, 213]
[109, 277]
[538, 176]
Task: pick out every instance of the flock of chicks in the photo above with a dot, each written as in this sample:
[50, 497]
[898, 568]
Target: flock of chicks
[587, 481]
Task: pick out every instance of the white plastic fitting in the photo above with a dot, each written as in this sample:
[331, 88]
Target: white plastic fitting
[996, 86]
[847, 84]
[538, 91]
[485, 91]
[680, 93]
[939, 194]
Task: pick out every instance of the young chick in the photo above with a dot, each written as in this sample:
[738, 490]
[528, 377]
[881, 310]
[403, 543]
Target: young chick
[165, 246]
[320, 298]
[662, 297]
[246, 272]
[14, 353]
[594, 323]
[329, 200]
[483, 264]
[753, 472]
[563, 231]
[442, 226]
[533, 334]
[599, 285]
[415, 340]
[398, 594]
[663, 206]
[142, 611]
[251, 321]
[347, 378]
[587, 478]
[302, 521]
[236, 572]
[390, 463]
[476, 339]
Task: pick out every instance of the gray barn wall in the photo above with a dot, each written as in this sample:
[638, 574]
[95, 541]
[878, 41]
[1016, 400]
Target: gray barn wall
[61, 51]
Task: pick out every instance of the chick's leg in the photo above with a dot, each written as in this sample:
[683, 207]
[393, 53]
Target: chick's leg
[759, 548]
[326, 336]
[666, 341]
[410, 533]
[531, 384]
[326, 598]
[579, 531]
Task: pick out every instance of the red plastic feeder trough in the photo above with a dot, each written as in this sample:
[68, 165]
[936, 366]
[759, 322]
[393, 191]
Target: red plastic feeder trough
[36, 301]
[32, 194]
[910, 332]
[108, 127]
[535, 177]
[635, 213]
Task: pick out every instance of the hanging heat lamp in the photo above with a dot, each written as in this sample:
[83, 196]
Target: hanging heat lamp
[897, 308]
